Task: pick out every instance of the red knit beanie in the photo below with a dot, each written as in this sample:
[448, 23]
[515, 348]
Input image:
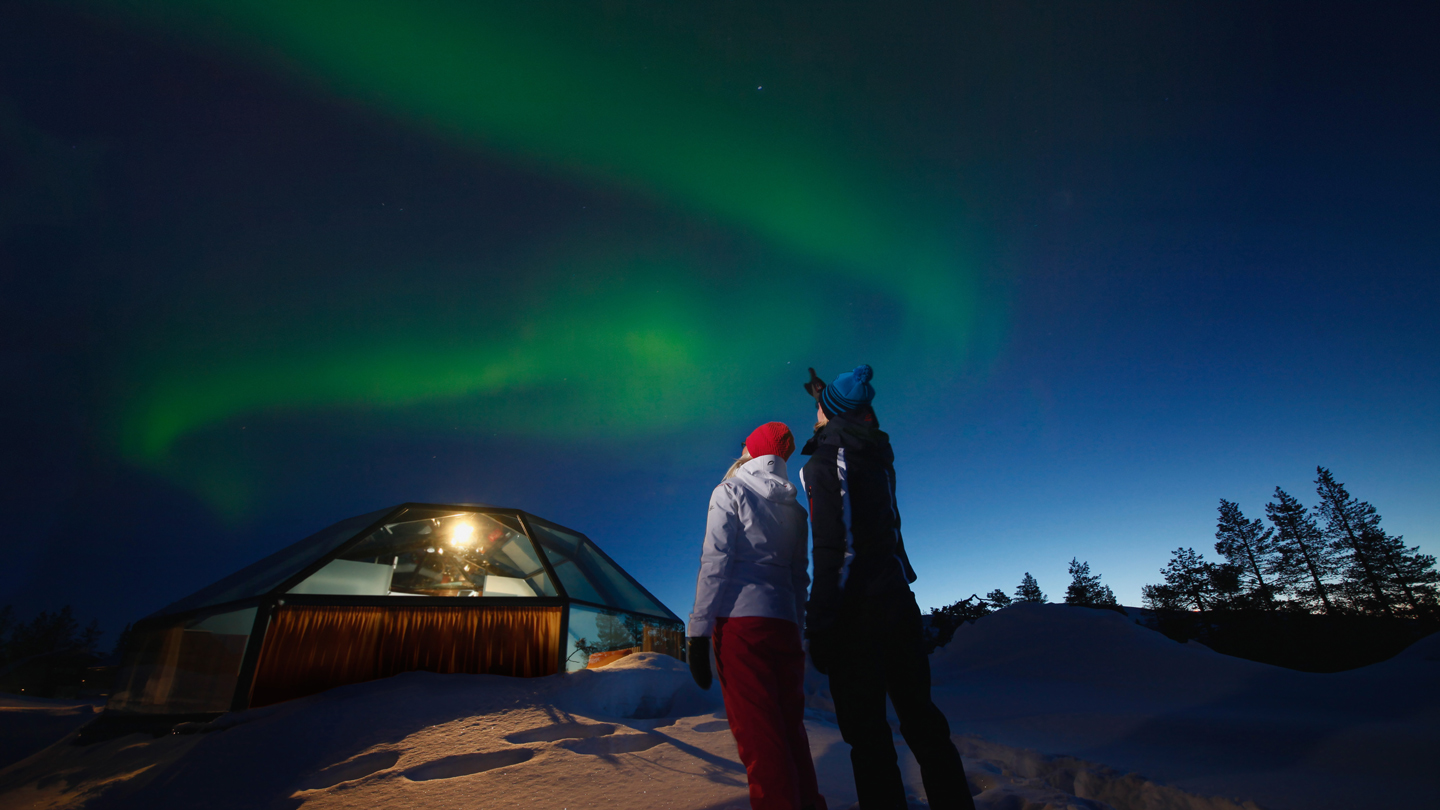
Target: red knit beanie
[771, 439]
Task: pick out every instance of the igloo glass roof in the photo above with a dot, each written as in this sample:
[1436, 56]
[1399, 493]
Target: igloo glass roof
[437, 551]
[269, 573]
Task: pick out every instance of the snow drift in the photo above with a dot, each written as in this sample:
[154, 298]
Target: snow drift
[1094, 685]
[1053, 707]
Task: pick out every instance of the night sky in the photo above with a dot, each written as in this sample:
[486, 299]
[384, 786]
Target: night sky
[265, 265]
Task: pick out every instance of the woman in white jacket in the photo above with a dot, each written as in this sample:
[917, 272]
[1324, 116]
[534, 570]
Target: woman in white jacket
[750, 602]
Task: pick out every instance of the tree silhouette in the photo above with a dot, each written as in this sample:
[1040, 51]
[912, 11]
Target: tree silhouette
[612, 633]
[944, 621]
[1352, 527]
[49, 633]
[998, 598]
[1189, 582]
[1412, 575]
[123, 641]
[1029, 590]
[1085, 588]
[1308, 561]
[1250, 547]
[1160, 597]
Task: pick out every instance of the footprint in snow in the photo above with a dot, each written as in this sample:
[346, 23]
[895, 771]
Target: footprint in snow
[562, 731]
[466, 764]
[351, 769]
[591, 739]
[613, 744]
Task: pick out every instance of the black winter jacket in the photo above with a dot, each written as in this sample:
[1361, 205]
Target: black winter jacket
[854, 520]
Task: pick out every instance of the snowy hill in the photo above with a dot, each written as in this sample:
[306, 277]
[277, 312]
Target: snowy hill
[1052, 705]
[1093, 685]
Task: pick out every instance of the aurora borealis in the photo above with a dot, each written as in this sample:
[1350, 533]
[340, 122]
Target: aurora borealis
[270, 264]
[533, 86]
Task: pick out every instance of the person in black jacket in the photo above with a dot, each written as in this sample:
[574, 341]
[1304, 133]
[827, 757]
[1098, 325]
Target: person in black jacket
[862, 622]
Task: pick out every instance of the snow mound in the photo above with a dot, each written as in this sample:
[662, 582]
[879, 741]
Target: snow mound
[640, 686]
[1093, 685]
[1086, 645]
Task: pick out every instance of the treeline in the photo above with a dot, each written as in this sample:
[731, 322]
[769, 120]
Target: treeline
[47, 633]
[50, 655]
[1334, 560]
[1085, 590]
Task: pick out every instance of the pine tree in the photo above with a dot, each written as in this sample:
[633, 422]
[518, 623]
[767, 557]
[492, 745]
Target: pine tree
[1029, 590]
[1309, 562]
[612, 633]
[1228, 593]
[1189, 580]
[635, 628]
[1160, 597]
[46, 633]
[1352, 528]
[1249, 546]
[944, 621]
[1412, 577]
[1085, 589]
[89, 639]
[998, 598]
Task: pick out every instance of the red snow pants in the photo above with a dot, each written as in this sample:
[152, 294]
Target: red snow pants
[761, 667]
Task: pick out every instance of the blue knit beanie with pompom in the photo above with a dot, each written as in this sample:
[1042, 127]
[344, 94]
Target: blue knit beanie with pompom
[849, 391]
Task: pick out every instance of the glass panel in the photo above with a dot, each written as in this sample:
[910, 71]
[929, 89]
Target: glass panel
[598, 637]
[437, 554]
[589, 575]
[348, 577]
[266, 575]
[189, 666]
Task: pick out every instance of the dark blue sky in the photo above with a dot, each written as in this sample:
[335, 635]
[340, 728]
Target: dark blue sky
[1186, 252]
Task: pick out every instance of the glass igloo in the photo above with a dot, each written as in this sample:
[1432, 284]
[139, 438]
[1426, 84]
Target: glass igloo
[452, 589]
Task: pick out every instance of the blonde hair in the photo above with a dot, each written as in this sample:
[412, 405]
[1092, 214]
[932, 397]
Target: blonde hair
[739, 462]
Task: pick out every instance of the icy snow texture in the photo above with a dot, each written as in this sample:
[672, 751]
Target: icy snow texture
[1084, 687]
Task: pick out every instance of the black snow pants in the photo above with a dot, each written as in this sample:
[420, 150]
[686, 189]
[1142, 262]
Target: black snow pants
[883, 653]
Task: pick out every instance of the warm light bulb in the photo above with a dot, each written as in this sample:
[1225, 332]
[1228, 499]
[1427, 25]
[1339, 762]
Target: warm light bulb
[462, 534]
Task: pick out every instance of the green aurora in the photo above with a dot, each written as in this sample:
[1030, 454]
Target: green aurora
[650, 336]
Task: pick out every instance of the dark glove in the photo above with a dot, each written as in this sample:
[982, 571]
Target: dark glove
[699, 658]
[822, 652]
[814, 386]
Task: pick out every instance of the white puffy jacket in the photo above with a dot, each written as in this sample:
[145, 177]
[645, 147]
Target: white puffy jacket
[754, 559]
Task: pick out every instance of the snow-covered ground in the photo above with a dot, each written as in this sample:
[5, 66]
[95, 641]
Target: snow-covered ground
[1053, 708]
[30, 724]
[1093, 685]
